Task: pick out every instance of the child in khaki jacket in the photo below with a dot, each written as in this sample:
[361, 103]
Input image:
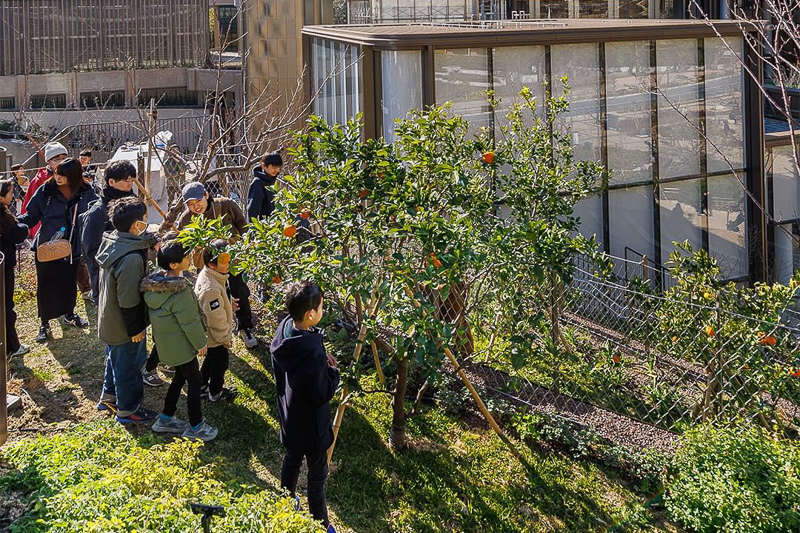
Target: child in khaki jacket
[218, 311]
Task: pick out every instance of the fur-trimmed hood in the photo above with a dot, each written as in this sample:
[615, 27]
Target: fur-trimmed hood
[158, 287]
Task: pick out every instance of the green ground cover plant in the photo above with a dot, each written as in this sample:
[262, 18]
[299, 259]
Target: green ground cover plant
[737, 480]
[98, 477]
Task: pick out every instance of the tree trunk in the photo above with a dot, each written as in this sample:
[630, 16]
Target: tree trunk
[397, 435]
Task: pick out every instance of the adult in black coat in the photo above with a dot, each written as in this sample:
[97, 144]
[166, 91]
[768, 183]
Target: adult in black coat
[12, 233]
[57, 205]
[118, 184]
[261, 194]
[306, 379]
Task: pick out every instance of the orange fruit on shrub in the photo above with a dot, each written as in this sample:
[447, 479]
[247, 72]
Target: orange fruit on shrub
[304, 214]
[437, 263]
[276, 279]
[363, 193]
[796, 373]
[710, 331]
[769, 340]
[616, 359]
[290, 231]
[488, 158]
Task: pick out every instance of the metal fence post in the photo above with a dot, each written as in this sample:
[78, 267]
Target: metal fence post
[3, 358]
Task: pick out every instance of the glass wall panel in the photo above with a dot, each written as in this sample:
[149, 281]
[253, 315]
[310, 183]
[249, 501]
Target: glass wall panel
[336, 80]
[590, 212]
[678, 108]
[580, 63]
[516, 67]
[634, 9]
[401, 86]
[785, 185]
[724, 109]
[554, 9]
[727, 225]
[630, 222]
[681, 215]
[596, 9]
[462, 77]
[629, 111]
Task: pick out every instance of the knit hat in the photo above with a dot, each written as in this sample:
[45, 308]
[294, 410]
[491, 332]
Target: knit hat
[54, 149]
[193, 191]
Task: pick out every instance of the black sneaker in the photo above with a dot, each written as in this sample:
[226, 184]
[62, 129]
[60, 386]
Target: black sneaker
[44, 333]
[74, 320]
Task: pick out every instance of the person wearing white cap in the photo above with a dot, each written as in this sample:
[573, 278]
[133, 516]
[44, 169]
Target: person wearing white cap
[54, 154]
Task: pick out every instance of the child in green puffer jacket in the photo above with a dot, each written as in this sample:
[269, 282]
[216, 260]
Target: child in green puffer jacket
[180, 337]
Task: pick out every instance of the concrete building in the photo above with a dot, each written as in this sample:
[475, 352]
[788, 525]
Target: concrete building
[107, 56]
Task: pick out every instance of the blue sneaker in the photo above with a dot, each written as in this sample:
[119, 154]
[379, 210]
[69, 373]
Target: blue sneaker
[141, 415]
[331, 529]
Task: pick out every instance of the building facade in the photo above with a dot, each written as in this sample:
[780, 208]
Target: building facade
[666, 106]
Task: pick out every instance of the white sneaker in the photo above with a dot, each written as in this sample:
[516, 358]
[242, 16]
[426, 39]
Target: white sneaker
[204, 433]
[22, 350]
[248, 339]
[173, 425]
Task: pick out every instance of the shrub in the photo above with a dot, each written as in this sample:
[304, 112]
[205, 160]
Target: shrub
[97, 477]
[737, 480]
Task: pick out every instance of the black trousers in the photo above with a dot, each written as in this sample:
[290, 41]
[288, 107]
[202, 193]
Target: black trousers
[317, 475]
[152, 361]
[240, 290]
[188, 373]
[214, 367]
[12, 339]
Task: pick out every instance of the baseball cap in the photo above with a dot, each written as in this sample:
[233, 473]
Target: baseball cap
[193, 191]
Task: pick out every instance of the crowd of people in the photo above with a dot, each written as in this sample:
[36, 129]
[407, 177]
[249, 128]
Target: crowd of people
[95, 239]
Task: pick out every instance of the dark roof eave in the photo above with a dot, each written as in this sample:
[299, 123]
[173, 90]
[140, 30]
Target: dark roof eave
[466, 37]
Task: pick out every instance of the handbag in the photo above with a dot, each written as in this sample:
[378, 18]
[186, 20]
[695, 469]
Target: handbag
[56, 249]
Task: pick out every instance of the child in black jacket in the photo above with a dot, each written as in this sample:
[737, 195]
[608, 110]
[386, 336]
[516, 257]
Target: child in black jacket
[306, 379]
[12, 233]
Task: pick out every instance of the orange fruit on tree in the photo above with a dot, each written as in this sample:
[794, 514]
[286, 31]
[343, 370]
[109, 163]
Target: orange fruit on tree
[769, 340]
[796, 373]
[674, 338]
[616, 359]
[305, 213]
[488, 157]
[437, 263]
[290, 231]
[710, 331]
[276, 279]
[363, 193]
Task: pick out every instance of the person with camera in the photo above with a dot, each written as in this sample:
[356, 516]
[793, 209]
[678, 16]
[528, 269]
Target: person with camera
[57, 243]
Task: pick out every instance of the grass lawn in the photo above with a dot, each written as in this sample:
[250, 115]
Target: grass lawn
[453, 478]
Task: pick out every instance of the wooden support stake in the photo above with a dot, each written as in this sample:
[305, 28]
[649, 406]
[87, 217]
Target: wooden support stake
[149, 198]
[362, 334]
[378, 364]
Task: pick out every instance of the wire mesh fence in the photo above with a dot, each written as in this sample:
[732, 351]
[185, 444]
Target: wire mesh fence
[665, 359]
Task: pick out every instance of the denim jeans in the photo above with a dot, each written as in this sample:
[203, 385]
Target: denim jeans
[123, 376]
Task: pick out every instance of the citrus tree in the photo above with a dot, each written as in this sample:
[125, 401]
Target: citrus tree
[426, 242]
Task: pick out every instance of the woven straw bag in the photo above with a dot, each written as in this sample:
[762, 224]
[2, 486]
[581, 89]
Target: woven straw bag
[59, 248]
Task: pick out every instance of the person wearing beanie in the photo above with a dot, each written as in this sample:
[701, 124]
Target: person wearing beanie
[54, 154]
[200, 202]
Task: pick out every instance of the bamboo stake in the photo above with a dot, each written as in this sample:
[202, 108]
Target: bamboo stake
[378, 364]
[362, 334]
[149, 198]
[475, 396]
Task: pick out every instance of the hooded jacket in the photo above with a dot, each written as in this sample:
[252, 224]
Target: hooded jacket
[260, 195]
[175, 315]
[305, 384]
[121, 312]
[215, 306]
[49, 207]
[96, 222]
